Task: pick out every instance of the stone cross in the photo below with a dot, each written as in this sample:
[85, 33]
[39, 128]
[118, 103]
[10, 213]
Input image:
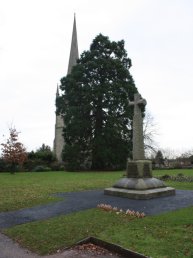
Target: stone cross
[138, 139]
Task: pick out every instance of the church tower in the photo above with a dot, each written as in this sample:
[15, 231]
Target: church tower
[59, 139]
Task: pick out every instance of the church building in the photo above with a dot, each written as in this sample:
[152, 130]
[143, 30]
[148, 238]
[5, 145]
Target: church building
[74, 55]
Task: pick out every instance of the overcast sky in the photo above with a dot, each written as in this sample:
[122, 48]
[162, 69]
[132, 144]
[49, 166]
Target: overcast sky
[35, 37]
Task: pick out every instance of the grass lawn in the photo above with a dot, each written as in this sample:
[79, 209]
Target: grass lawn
[23, 190]
[166, 235]
[176, 185]
[28, 189]
[185, 172]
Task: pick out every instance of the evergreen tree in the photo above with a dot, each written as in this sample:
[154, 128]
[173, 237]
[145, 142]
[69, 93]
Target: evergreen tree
[94, 105]
[43, 153]
[159, 158]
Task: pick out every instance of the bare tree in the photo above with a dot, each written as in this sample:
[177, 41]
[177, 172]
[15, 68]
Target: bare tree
[150, 130]
[169, 153]
[187, 154]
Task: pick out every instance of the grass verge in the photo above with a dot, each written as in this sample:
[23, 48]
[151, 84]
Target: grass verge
[166, 235]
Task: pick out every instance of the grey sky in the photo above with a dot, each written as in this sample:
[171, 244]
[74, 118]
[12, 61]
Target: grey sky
[34, 51]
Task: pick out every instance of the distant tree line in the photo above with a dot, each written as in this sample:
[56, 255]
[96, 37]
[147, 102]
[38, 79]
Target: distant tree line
[168, 159]
[15, 158]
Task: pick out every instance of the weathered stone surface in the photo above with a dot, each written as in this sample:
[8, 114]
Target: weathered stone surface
[140, 194]
[59, 139]
[139, 168]
[74, 55]
[138, 143]
[139, 183]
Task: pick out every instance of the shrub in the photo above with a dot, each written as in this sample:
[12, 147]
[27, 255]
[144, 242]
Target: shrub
[179, 178]
[41, 157]
[165, 177]
[41, 169]
[56, 166]
[3, 165]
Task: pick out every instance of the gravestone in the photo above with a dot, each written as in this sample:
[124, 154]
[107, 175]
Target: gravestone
[139, 183]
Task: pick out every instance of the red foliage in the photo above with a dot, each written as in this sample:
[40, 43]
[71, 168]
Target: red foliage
[13, 151]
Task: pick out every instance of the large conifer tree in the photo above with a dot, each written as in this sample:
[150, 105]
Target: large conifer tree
[94, 104]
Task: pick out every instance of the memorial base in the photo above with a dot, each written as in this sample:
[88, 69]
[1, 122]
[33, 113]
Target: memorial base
[139, 183]
[140, 194]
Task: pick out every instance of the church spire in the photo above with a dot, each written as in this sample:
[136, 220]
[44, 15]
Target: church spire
[57, 91]
[59, 139]
[74, 48]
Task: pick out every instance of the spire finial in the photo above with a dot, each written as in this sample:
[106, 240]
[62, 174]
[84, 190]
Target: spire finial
[74, 48]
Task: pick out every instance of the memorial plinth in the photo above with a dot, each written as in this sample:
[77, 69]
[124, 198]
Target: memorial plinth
[138, 182]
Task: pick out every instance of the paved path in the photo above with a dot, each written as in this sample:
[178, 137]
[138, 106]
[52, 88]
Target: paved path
[10, 249]
[76, 201]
